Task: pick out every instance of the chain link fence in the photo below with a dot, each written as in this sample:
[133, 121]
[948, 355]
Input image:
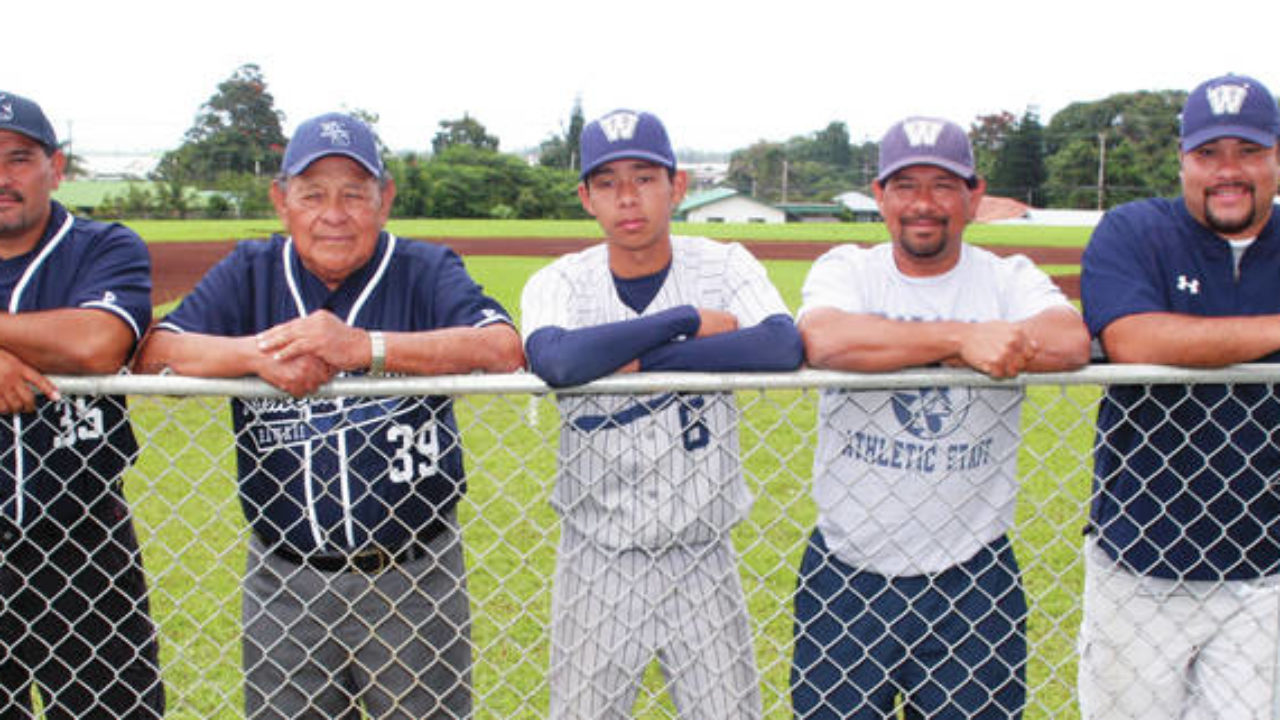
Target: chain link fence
[182, 489]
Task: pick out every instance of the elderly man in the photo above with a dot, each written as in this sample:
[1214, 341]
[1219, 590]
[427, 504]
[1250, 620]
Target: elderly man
[1182, 573]
[909, 590]
[73, 600]
[353, 595]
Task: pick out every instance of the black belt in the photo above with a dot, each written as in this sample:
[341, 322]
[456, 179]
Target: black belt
[370, 561]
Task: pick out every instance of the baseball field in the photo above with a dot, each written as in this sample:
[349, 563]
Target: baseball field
[183, 484]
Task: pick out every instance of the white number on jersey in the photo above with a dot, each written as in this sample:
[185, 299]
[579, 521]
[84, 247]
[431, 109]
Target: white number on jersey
[78, 422]
[418, 454]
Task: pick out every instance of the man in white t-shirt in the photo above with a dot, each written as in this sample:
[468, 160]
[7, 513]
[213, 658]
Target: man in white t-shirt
[909, 590]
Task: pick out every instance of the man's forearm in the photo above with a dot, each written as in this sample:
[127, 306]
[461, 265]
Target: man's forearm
[449, 351]
[70, 340]
[1191, 340]
[199, 355]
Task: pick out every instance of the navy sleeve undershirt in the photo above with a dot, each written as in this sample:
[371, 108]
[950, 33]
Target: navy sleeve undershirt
[573, 357]
[774, 345]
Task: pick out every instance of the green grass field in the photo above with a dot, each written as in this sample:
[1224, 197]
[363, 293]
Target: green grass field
[184, 489]
[220, 230]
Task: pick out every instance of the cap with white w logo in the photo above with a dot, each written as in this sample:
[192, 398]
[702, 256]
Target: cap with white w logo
[926, 141]
[625, 134]
[1230, 106]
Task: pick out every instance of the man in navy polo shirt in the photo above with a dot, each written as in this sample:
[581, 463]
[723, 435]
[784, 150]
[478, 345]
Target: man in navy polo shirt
[74, 616]
[1182, 598]
[354, 596]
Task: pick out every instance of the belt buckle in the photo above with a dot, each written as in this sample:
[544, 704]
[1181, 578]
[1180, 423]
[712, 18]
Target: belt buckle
[371, 563]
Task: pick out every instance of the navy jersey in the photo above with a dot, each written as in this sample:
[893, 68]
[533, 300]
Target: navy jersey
[73, 450]
[1185, 475]
[337, 475]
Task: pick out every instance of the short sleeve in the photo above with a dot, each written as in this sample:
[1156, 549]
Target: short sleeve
[832, 281]
[1031, 291]
[218, 305]
[459, 301]
[1116, 276]
[117, 278]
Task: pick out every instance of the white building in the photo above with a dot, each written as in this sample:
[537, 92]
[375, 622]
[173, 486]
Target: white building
[725, 205]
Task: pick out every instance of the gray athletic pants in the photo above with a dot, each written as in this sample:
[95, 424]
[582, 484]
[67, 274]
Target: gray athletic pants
[324, 645]
[613, 611]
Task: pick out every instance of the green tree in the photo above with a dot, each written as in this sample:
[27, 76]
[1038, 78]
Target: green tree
[464, 131]
[829, 146]
[1132, 138]
[371, 118]
[561, 151]
[1019, 169]
[987, 133]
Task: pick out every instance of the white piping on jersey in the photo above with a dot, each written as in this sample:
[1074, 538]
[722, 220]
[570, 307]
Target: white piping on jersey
[111, 308]
[345, 484]
[344, 473]
[19, 471]
[316, 535]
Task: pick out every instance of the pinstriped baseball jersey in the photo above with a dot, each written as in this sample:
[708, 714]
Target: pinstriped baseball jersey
[650, 471]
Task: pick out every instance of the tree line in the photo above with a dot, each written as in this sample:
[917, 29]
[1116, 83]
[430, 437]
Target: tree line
[1090, 155]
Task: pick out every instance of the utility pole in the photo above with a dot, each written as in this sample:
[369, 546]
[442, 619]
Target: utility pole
[1102, 164]
[785, 168]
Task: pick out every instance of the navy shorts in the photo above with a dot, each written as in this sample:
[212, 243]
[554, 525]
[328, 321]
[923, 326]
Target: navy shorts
[951, 645]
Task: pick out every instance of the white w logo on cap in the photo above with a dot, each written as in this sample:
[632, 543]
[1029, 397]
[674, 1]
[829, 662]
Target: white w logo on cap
[1226, 99]
[619, 126]
[922, 132]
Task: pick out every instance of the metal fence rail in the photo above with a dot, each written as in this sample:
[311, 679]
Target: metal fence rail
[183, 491]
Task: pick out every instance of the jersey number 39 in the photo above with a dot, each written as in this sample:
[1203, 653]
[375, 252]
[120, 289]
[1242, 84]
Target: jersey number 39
[417, 452]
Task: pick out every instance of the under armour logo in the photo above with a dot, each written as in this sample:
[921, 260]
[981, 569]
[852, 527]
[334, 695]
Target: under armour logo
[6, 109]
[1188, 286]
[109, 297]
[334, 132]
[1227, 99]
[619, 125]
[922, 132]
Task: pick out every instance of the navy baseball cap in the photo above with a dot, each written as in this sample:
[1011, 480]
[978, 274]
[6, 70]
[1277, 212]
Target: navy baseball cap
[332, 134]
[926, 141]
[23, 116]
[1230, 106]
[625, 134]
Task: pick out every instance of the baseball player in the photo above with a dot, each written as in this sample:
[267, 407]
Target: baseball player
[908, 591]
[354, 596]
[1182, 565]
[74, 616]
[649, 487]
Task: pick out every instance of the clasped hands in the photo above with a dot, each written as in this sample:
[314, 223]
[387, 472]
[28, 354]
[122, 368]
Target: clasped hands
[301, 355]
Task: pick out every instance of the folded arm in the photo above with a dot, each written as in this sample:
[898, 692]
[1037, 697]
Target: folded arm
[1054, 339]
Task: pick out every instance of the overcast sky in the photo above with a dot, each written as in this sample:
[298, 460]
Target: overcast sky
[131, 76]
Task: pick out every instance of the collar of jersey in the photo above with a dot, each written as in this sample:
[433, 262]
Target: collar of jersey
[310, 294]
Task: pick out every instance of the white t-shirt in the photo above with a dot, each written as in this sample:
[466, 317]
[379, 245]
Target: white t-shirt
[909, 482]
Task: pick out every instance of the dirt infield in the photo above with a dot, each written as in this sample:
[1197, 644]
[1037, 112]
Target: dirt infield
[176, 267]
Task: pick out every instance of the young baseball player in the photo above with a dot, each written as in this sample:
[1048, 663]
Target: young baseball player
[649, 487]
[909, 592]
[74, 619]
